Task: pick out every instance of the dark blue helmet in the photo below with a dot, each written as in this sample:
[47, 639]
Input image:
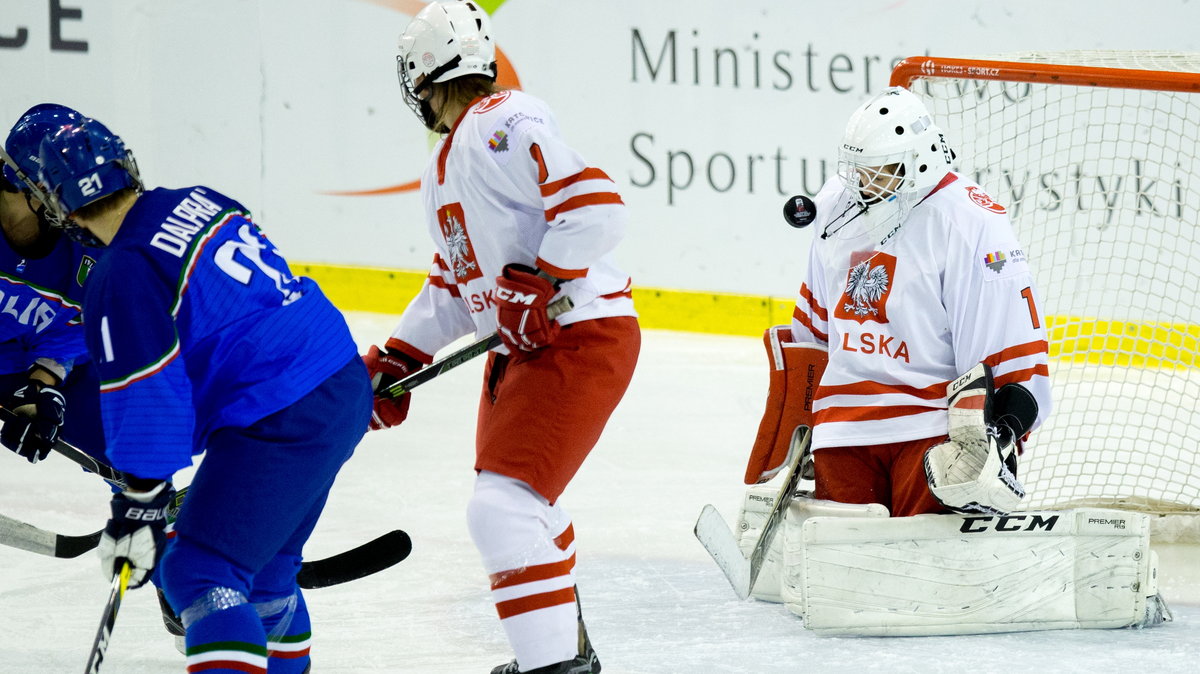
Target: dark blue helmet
[25, 138]
[83, 163]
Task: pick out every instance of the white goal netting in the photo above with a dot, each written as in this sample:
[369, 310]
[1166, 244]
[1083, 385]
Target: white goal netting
[1095, 156]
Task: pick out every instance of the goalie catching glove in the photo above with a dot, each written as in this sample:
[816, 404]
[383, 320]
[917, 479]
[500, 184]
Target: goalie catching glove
[137, 532]
[975, 470]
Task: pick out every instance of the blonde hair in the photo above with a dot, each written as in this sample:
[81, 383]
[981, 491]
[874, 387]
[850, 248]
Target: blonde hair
[457, 94]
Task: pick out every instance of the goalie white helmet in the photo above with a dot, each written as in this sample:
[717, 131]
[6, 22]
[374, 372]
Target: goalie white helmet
[445, 40]
[892, 154]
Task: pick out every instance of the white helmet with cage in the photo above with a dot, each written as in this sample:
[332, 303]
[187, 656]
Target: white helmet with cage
[892, 154]
[445, 40]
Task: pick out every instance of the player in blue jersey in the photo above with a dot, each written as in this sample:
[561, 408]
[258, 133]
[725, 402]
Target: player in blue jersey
[45, 373]
[204, 341]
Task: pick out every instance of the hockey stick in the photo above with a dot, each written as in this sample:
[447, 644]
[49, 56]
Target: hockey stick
[479, 347]
[712, 531]
[370, 557]
[120, 582]
[24, 536]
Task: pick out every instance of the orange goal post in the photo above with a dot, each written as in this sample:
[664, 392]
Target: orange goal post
[1096, 156]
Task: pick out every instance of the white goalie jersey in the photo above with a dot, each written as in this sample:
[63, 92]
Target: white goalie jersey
[503, 187]
[905, 311]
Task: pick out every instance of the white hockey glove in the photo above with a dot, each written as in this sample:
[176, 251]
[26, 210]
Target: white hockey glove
[136, 533]
[975, 470]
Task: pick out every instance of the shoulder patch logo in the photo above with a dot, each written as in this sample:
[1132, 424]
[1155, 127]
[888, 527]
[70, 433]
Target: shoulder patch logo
[982, 200]
[868, 284]
[498, 142]
[995, 261]
[491, 102]
[85, 267]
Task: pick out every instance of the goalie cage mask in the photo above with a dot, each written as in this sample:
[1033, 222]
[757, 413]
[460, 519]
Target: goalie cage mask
[891, 155]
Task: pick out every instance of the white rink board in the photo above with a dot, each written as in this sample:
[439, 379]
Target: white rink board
[278, 103]
[655, 602]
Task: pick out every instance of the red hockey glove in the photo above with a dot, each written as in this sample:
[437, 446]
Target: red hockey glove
[522, 298]
[386, 368]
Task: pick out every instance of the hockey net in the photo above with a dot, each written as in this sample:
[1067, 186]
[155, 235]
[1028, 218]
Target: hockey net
[1095, 156]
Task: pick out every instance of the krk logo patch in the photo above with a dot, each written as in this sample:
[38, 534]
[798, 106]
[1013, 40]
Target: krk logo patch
[498, 142]
[995, 261]
[868, 284]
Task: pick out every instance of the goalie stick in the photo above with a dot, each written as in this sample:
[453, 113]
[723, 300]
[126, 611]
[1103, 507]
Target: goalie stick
[477, 348]
[369, 558]
[713, 532]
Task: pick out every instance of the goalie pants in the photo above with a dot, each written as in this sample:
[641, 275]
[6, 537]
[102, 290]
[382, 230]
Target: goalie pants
[542, 412]
[252, 505]
[892, 474]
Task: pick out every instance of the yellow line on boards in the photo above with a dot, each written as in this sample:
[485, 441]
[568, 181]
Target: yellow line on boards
[1074, 339]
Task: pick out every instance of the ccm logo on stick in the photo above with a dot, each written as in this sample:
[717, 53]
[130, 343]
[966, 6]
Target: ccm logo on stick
[975, 525]
[515, 297]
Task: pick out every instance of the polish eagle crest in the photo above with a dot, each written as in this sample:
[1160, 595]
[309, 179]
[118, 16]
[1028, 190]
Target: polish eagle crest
[865, 286]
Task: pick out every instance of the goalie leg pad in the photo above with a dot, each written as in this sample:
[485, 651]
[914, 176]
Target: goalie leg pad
[796, 369]
[962, 574]
[770, 585]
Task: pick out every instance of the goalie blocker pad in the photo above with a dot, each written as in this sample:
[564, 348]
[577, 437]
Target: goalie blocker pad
[973, 574]
[796, 369]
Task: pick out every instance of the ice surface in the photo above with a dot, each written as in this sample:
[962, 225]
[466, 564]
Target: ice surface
[655, 603]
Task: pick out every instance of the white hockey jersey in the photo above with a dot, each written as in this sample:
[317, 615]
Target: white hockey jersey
[502, 187]
[905, 312]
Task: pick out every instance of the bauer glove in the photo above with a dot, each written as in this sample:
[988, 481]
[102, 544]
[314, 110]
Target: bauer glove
[40, 410]
[136, 533]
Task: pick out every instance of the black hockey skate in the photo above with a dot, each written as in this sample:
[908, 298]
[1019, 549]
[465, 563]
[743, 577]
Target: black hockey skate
[171, 621]
[584, 663]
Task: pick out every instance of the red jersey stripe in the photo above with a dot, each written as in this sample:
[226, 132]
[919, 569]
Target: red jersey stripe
[806, 322]
[512, 607]
[582, 201]
[550, 189]
[864, 388]
[816, 309]
[560, 272]
[531, 574]
[835, 414]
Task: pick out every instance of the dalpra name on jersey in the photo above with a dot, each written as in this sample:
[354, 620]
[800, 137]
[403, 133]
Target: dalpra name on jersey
[188, 217]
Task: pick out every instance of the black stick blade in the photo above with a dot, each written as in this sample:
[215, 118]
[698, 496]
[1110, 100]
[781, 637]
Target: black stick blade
[371, 557]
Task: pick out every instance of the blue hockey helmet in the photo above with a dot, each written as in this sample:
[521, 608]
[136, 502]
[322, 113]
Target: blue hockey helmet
[83, 163]
[25, 138]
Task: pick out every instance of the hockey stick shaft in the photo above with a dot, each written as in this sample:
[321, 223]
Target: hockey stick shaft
[476, 348]
[120, 583]
[370, 557]
[741, 571]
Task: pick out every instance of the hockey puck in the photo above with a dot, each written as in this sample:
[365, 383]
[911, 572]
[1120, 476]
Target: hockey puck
[799, 211]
